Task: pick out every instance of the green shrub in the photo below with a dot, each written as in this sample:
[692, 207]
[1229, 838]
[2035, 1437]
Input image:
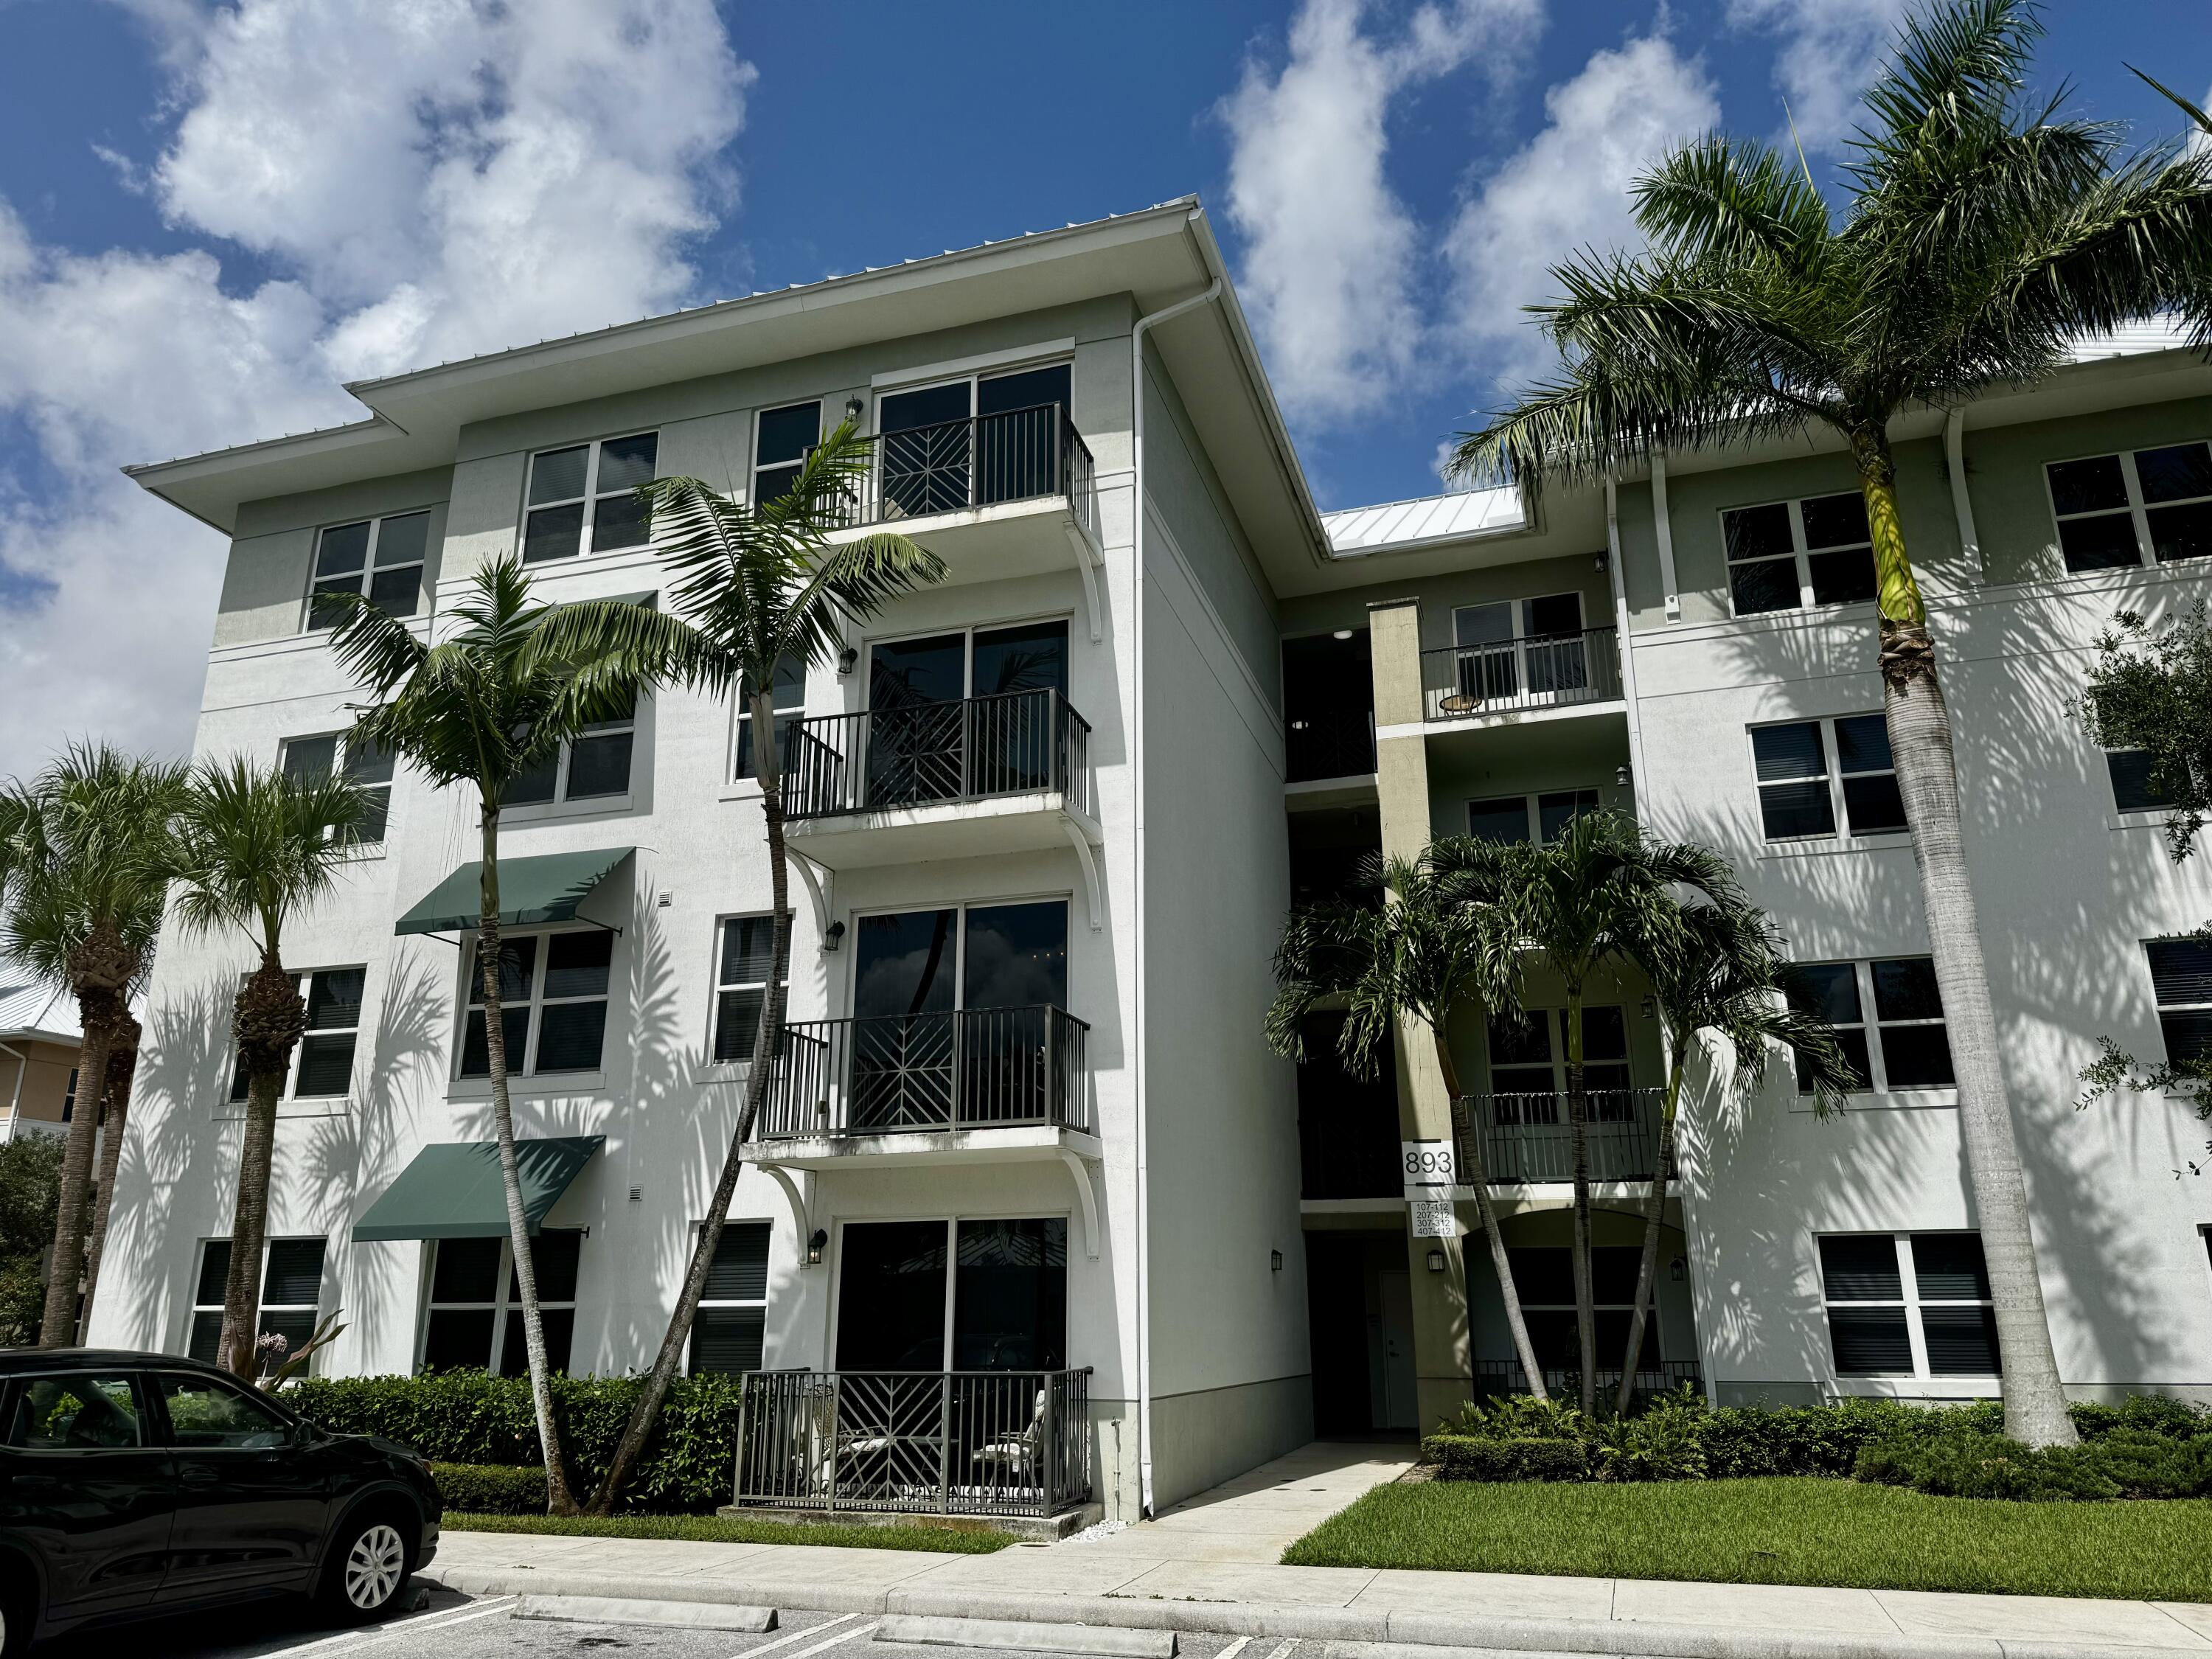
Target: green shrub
[2119, 1463]
[1518, 1417]
[1666, 1442]
[1494, 1457]
[491, 1488]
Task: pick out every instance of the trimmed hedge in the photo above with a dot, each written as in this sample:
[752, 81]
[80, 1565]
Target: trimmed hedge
[491, 1488]
[2125, 1464]
[1473, 1457]
[470, 1418]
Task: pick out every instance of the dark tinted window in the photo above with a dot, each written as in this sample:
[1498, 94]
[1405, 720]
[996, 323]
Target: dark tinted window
[739, 1270]
[2088, 486]
[2133, 789]
[1861, 1267]
[74, 1414]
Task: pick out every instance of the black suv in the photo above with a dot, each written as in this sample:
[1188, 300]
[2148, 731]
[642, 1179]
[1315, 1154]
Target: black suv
[136, 1483]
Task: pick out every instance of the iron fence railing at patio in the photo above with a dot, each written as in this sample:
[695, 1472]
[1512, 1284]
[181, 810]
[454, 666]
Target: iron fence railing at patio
[1341, 744]
[925, 754]
[1496, 1378]
[969, 1068]
[1545, 670]
[1528, 1137]
[952, 466]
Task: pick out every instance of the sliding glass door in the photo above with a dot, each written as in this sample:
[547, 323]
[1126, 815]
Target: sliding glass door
[961, 715]
[990, 1294]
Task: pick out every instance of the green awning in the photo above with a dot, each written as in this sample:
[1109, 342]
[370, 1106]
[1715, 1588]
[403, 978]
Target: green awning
[547, 887]
[452, 1190]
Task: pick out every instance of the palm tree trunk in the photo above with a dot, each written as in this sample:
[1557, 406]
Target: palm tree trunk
[114, 1119]
[767, 1040]
[557, 1499]
[1647, 1270]
[267, 1021]
[1578, 1139]
[1516, 1323]
[1920, 742]
[97, 1011]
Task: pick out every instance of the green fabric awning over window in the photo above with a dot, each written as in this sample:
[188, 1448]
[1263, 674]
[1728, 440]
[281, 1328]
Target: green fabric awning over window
[452, 1190]
[547, 887]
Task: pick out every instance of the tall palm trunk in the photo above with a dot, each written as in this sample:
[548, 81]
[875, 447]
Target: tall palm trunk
[1578, 1139]
[1920, 743]
[99, 966]
[1516, 1322]
[1647, 1269]
[269, 1020]
[557, 1499]
[114, 1119]
[767, 1039]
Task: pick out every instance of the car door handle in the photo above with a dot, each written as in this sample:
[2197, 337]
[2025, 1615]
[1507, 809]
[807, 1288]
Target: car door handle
[192, 1476]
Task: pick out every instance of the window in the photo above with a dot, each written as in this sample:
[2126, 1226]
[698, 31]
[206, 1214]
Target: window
[1906, 1046]
[291, 1289]
[1528, 1066]
[554, 988]
[971, 442]
[310, 760]
[206, 1413]
[727, 1334]
[1544, 1277]
[1791, 556]
[789, 693]
[2141, 507]
[2181, 978]
[782, 439]
[594, 766]
[1515, 646]
[380, 557]
[1909, 1305]
[2133, 789]
[475, 1303]
[1813, 774]
[741, 982]
[1523, 819]
[585, 498]
[322, 1064]
[69, 1097]
[925, 743]
[76, 1413]
[965, 1296]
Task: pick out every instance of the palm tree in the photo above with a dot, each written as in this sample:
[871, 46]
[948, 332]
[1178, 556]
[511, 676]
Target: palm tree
[252, 848]
[493, 699]
[114, 1123]
[1984, 234]
[1719, 970]
[82, 883]
[1446, 944]
[754, 584]
[1594, 899]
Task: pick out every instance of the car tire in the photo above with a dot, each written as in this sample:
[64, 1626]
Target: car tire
[18, 1611]
[370, 1561]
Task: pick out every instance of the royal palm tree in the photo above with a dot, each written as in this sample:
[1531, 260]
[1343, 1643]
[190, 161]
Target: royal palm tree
[251, 848]
[1444, 946]
[495, 697]
[83, 890]
[1982, 236]
[1592, 901]
[752, 584]
[1717, 972]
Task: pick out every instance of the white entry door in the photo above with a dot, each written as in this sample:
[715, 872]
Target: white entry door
[1394, 1405]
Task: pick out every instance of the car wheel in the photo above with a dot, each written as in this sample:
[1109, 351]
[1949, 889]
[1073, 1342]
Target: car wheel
[19, 1613]
[368, 1568]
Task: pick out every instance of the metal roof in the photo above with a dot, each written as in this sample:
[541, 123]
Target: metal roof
[36, 1009]
[1451, 516]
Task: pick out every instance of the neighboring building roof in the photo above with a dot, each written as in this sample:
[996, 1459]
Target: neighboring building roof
[36, 1010]
[2156, 334]
[1455, 516]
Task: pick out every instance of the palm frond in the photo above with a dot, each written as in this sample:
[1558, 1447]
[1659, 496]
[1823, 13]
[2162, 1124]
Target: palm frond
[252, 846]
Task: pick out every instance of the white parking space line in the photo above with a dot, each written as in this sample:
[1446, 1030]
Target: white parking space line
[853, 1634]
[822, 1629]
[413, 1625]
[1284, 1650]
[1234, 1648]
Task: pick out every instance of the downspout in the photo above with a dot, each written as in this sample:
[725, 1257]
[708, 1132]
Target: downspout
[1619, 580]
[1137, 774]
[1962, 505]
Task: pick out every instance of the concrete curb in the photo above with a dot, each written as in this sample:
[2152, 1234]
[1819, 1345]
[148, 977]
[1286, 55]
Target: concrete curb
[1378, 1634]
[1029, 1635]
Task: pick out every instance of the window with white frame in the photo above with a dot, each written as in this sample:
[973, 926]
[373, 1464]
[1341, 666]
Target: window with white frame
[554, 988]
[474, 1319]
[782, 439]
[382, 558]
[322, 1061]
[1791, 555]
[729, 1332]
[2181, 978]
[584, 498]
[2135, 787]
[1813, 774]
[1528, 1066]
[2140, 507]
[595, 765]
[310, 760]
[291, 1289]
[69, 1097]
[969, 443]
[1905, 1046]
[789, 695]
[741, 981]
[1908, 1305]
[1525, 820]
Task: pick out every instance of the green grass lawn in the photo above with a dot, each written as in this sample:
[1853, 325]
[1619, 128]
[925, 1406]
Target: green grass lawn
[718, 1529]
[1783, 1531]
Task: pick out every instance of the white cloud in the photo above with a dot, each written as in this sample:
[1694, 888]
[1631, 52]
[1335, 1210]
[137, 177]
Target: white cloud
[1828, 53]
[429, 179]
[1333, 256]
[1567, 189]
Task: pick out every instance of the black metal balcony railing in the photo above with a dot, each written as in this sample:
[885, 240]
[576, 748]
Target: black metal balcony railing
[1496, 1378]
[953, 1443]
[976, 1068]
[1543, 672]
[1331, 745]
[928, 754]
[1526, 1139]
[1021, 454]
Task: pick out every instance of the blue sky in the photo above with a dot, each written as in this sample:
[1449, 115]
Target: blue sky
[209, 212]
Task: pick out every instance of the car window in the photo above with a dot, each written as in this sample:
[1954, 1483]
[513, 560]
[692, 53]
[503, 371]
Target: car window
[74, 1414]
[205, 1412]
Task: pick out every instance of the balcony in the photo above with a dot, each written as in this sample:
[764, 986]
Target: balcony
[1527, 1141]
[1529, 678]
[926, 1443]
[1336, 744]
[980, 777]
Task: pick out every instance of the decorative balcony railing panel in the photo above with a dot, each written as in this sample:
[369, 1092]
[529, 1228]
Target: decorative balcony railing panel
[1019, 455]
[1496, 1378]
[1527, 1138]
[929, 753]
[1546, 671]
[974, 1068]
[954, 1442]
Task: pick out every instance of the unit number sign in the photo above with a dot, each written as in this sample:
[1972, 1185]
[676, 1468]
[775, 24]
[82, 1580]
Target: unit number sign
[1427, 1163]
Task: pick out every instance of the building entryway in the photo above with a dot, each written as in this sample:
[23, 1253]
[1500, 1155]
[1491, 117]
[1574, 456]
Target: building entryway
[1359, 1311]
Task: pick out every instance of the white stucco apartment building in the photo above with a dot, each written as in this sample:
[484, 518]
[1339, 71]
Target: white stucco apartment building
[1033, 1211]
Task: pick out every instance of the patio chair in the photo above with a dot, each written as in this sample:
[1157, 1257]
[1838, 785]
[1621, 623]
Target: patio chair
[1014, 1455]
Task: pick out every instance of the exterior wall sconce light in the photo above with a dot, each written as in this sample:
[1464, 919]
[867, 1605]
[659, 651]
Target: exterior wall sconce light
[853, 409]
[833, 936]
[1599, 561]
[1436, 1261]
[1341, 634]
[814, 1246]
[845, 659]
[1620, 777]
[1274, 1261]
[1678, 1270]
